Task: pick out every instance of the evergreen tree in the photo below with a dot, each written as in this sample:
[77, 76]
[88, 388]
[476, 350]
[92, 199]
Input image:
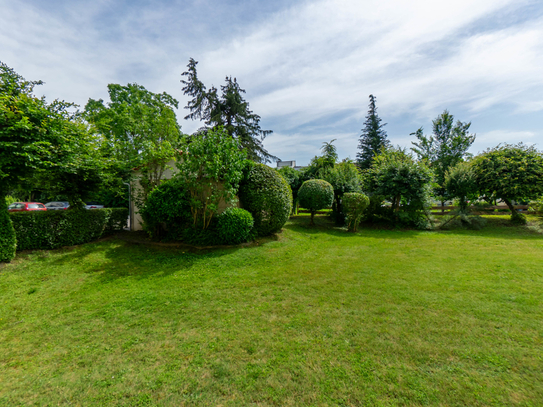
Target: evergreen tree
[373, 138]
[229, 110]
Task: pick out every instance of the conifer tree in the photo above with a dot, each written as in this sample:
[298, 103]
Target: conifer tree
[229, 110]
[373, 138]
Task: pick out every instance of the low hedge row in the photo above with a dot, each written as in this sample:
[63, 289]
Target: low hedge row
[53, 229]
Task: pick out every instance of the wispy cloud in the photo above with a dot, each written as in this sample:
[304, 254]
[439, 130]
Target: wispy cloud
[308, 67]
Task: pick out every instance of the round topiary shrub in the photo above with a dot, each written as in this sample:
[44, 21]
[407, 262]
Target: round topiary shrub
[267, 196]
[234, 225]
[167, 209]
[316, 194]
[354, 205]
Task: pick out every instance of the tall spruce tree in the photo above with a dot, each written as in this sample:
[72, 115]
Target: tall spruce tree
[373, 137]
[229, 109]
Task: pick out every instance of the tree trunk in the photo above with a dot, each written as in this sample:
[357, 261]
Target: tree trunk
[515, 216]
[312, 216]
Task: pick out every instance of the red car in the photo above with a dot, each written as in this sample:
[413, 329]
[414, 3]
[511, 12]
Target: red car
[26, 206]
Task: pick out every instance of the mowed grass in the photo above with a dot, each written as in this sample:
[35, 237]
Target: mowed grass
[315, 317]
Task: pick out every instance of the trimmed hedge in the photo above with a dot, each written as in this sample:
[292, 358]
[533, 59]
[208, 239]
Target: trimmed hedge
[118, 220]
[53, 229]
[267, 196]
[7, 236]
[234, 225]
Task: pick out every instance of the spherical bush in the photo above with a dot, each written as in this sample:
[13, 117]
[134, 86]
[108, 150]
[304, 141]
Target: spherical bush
[234, 225]
[354, 205]
[316, 194]
[266, 194]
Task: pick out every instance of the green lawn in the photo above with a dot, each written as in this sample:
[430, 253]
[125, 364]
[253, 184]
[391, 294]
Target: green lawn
[315, 317]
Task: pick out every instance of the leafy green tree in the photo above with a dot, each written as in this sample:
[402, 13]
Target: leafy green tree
[461, 183]
[229, 110]
[316, 194]
[446, 147]
[403, 182]
[141, 131]
[41, 141]
[510, 173]
[373, 138]
[211, 168]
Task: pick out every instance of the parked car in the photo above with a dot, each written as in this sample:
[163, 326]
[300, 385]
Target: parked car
[93, 205]
[26, 206]
[57, 206]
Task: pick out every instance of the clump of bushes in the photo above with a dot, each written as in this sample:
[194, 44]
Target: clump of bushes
[167, 210]
[354, 205]
[315, 194]
[267, 196]
[234, 225]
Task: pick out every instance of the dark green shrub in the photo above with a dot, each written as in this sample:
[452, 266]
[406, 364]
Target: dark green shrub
[267, 196]
[316, 194]
[7, 236]
[354, 205]
[52, 229]
[167, 210]
[118, 219]
[234, 225]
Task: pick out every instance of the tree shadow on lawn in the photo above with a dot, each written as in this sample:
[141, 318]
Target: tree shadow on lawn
[495, 228]
[114, 258]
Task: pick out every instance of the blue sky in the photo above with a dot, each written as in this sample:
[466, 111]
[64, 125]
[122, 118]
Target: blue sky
[307, 66]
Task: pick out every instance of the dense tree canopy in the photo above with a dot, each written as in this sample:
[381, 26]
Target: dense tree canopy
[446, 147]
[141, 130]
[229, 110]
[510, 173]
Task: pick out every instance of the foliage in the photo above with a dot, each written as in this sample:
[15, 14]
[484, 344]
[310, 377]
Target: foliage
[234, 225]
[229, 110]
[354, 205]
[167, 209]
[315, 194]
[295, 179]
[267, 196]
[344, 177]
[373, 138]
[403, 182]
[445, 148]
[536, 207]
[211, 169]
[8, 241]
[510, 173]
[44, 144]
[53, 229]
[118, 220]
[461, 183]
[141, 130]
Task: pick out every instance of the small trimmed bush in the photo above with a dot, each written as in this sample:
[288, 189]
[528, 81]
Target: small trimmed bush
[8, 241]
[267, 196]
[167, 210]
[53, 229]
[316, 194]
[234, 225]
[354, 205]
